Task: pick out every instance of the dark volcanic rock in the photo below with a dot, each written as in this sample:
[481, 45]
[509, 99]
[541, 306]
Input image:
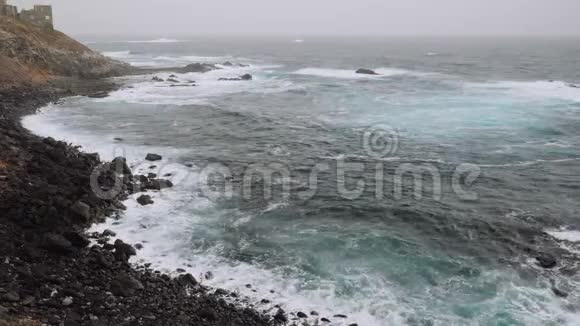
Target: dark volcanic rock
[126, 286]
[199, 67]
[153, 157]
[57, 243]
[366, 71]
[243, 77]
[77, 239]
[246, 77]
[157, 184]
[546, 261]
[145, 200]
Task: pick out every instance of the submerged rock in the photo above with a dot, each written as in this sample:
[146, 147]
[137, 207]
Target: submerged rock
[366, 71]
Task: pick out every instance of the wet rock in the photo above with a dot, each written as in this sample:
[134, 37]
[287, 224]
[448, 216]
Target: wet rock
[145, 200]
[153, 157]
[172, 76]
[243, 77]
[124, 250]
[559, 292]
[300, 314]
[109, 233]
[157, 184]
[366, 71]
[227, 64]
[101, 94]
[157, 79]
[187, 279]
[280, 317]
[340, 316]
[199, 67]
[314, 313]
[246, 77]
[173, 80]
[546, 261]
[325, 320]
[120, 166]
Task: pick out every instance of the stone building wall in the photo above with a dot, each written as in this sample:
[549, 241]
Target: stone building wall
[39, 15]
[10, 11]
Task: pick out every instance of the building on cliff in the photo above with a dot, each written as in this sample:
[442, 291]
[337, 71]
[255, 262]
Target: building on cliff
[38, 15]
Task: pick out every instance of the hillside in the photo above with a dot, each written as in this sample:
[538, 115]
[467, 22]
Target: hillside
[29, 54]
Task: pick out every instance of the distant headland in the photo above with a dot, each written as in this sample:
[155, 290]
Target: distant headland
[38, 15]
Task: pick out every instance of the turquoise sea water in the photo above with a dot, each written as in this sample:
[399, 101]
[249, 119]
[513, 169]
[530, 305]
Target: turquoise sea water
[504, 111]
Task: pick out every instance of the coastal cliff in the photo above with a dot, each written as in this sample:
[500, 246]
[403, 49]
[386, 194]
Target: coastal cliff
[31, 54]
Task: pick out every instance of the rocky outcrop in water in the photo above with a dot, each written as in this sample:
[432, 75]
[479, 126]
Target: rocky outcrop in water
[364, 71]
[199, 67]
[243, 77]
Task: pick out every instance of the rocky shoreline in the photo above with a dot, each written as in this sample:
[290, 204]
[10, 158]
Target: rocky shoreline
[51, 273]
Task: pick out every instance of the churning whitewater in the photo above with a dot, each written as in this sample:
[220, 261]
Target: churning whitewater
[500, 143]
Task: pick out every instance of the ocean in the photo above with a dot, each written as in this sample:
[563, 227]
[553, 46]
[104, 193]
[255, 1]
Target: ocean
[422, 195]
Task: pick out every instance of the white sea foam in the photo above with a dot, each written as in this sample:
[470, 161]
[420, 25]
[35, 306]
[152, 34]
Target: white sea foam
[533, 89]
[118, 54]
[145, 91]
[566, 235]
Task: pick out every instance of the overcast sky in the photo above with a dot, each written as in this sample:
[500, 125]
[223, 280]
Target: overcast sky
[306, 17]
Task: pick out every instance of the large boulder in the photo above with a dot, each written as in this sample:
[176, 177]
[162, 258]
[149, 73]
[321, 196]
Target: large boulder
[123, 251]
[57, 243]
[77, 239]
[153, 157]
[82, 210]
[145, 200]
[120, 166]
[125, 286]
[364, 71]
